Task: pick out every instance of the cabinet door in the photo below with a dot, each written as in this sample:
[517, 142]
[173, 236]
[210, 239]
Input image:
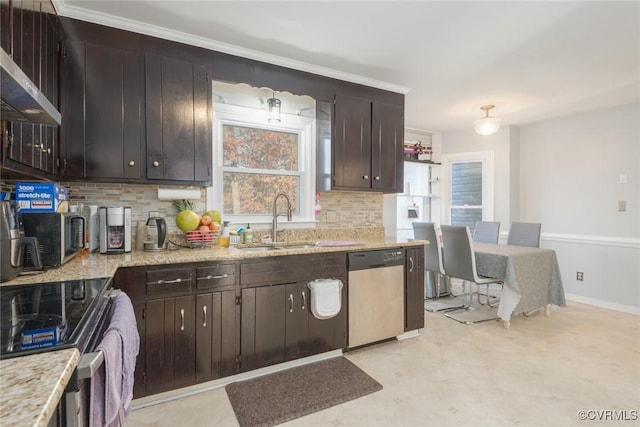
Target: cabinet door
[414, 289]
[387, 138]
[263, 326]
[170, 344]
[216, 332]
[33, 147]
[351, 143]
[328, 334]
[178, 117]
[102, 112]
[297, 321]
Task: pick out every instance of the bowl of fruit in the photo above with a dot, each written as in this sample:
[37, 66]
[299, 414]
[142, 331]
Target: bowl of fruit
[199, 230]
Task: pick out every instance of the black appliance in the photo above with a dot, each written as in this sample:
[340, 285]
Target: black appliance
[61, 236]
[52, 316]
[14, 244]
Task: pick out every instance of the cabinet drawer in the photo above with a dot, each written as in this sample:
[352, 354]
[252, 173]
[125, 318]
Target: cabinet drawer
[169, 282]
[216, 277]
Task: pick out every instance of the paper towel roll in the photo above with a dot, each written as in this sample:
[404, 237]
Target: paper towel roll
[178, 194]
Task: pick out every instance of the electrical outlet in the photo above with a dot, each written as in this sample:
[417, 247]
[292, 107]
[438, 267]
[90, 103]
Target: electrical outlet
[579, 276]
[622, 205]
[332, 216]
[372, 216]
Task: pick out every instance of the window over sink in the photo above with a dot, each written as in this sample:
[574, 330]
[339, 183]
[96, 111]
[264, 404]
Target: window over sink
[254, 160]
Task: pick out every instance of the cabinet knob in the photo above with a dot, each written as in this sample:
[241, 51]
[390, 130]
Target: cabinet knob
[132, 163]
[365, 176]
[377, 178]
[155, 164]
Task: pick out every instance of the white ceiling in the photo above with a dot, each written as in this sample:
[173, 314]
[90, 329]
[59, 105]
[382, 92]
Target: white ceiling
[533, 60]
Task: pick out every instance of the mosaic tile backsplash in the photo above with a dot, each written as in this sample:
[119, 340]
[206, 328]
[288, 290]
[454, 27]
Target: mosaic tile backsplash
[340, 210]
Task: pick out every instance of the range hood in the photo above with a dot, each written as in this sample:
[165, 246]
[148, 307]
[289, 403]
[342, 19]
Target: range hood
[21, 100]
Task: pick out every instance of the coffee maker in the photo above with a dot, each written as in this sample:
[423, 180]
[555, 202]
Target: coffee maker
[13, 243]
[115, 230]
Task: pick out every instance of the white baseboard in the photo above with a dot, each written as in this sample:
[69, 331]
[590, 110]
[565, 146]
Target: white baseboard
[604, 304]
[167, 396]
[409, 334]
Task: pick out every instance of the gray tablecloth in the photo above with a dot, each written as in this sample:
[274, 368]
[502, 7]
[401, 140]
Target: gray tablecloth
[531, 276]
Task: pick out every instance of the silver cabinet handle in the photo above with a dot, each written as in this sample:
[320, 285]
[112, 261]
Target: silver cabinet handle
[132, 163]
[365, 176]
[411, 262]
[178, 280]
[377, 178]
[155, 164]
[209, 277]
[182, 319]
[290, 303]
[304, 299]
[204, 316]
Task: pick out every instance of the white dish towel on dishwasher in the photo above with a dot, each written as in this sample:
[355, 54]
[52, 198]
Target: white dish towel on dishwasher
[326, 297]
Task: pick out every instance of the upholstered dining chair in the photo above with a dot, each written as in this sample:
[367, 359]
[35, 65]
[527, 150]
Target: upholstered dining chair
[486, 231]
[433, 266]
[459, 261]
[524, 234]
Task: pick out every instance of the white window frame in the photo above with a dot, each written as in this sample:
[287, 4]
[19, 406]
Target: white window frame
[304, 127]
[486, 158]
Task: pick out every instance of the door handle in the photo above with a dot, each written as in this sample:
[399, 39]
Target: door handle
[304, 299]
[204, 316]
[290, 303]
[182, 319]
[411, 264]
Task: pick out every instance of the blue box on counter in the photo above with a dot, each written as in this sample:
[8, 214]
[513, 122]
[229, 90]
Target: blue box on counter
[41, 197]
[43, 337]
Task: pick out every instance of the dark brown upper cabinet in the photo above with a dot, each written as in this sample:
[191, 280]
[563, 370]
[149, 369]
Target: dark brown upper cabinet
[178, 120]
[367, 143]
[31, 37]
[103, 126]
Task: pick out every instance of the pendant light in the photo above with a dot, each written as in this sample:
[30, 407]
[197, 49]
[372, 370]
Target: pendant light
[274, 109]
[487, 125]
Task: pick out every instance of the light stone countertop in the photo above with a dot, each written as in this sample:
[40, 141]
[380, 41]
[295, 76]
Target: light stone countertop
[31, 386]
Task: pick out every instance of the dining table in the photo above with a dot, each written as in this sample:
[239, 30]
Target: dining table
[531, 277]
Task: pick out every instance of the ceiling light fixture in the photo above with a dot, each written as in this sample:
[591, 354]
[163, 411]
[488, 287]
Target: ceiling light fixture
[274, 109]
[487, 125]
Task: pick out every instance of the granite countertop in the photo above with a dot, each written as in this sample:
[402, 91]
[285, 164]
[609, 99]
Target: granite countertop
[33, 385]
[88, 266]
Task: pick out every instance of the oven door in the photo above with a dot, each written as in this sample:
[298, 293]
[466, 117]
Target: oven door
[74, 407]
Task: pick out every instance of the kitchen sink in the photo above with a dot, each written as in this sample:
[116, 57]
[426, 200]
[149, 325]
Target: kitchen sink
[299, 246]
[259, 248]
[275, 247]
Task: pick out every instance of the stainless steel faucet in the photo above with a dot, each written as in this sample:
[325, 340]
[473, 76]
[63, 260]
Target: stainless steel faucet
[274, 225]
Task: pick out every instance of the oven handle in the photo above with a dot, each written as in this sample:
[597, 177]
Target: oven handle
[89, 364]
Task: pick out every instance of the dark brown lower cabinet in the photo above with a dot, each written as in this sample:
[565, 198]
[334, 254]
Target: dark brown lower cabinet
[170, 343]
[414, 288]
[216, 335]
[277, 326]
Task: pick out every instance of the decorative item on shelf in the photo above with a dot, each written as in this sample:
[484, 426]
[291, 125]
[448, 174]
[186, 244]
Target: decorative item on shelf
[414, 150]
[487, 125]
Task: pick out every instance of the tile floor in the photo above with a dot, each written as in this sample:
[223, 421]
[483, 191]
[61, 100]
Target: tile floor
[540, 372]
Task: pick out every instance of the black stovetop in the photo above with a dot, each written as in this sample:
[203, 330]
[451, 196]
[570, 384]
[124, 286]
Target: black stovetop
[51, 316]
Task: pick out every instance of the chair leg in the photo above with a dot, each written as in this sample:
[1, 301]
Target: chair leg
[489, 300]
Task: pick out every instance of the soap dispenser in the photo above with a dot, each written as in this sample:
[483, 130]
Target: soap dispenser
[248, 234]
[224, 235]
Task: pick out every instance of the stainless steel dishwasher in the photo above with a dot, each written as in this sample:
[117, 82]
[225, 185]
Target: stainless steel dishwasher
[376, 295]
